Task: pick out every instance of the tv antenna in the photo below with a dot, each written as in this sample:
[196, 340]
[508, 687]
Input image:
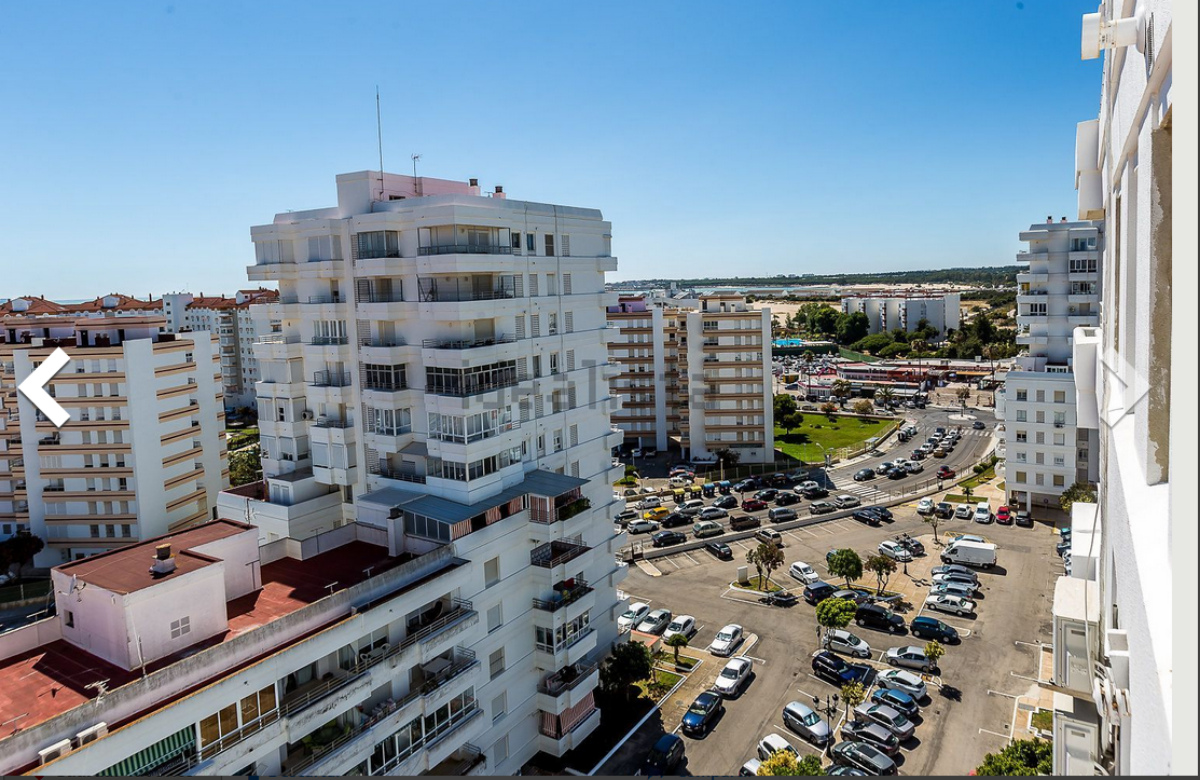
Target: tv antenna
[379, 134]
[417, 188]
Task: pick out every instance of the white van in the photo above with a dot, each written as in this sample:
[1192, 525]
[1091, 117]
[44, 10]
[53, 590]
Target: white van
[691, 507]
[980, 554]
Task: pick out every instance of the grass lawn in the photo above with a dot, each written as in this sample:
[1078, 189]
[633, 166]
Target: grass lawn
[842, 431]
[975, 480]
[850, 354]
[756, 584]
[658, 687]
[686, 662]
[957, 498]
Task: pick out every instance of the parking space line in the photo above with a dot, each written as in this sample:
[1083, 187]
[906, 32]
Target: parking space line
[669, 559]
[690, 558]
[785, 733]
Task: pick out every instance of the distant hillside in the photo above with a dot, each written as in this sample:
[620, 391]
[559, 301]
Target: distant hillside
[991, 275]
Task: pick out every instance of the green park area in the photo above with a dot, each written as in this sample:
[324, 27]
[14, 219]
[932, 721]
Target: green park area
[818, 433]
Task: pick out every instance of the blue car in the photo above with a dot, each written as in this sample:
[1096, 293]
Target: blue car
[835, 669]
[931, 628]
[664, 757]
[897, 700]
[702, 713]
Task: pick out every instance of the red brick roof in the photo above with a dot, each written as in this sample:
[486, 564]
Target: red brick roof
[124, 303]
[36, 306]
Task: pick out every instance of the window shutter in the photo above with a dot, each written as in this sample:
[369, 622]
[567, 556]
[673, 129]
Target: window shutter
[575, 437]
[533, 285]
[566, 277]
[575, 469]
[571, 401]
[520, 329]
[519, 286]
[368, 419]
[569, 321]
[535, 323]
[570, 360]
[539, 406]
[524, 406]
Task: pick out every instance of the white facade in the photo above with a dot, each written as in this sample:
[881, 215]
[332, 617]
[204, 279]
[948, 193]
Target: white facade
[1045, 451]
[143, 450]
[441, 359]
[1141, 412]
[886, 313]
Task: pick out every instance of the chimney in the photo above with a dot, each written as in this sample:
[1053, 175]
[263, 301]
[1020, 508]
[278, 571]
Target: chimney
[474, 186]
[1049, 220]
[162, 551]
[164, 562]
[499, 192]
[1064, 219]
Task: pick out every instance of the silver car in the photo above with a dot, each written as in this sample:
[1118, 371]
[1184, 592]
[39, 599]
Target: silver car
[902, 680]
[892, 719]
[841, 641]
[962, 589]
[801, 719]
[912, 657]
[656, 622]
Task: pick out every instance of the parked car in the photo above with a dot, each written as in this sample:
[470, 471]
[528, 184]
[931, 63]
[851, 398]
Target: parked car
[822, 507]
[968, 574]
[945, 472]
[862, 757]
[668, 538]
[884, 513]
[852, 594]
[846, 501]
[873, 734]
[780, 598]
[944, 509]
[862, 475]
[816, 592]
[712, 513]
[1004, 516]
[884, 468]
[772, 744]
[753, 505]
[964, 512]
[657, 514]
[812, 493]
[914, 467]
[707, 528]
[728, 638]
[692, 506]
[699, 717]
[902, 680]
[684, 624]
[749, 483]
[781, 514]
[649, 502]
[656, 622]
[734, 676]
[1024, 519]
[837, 670]
[954, 605]
[910, 657]
[840, 640]
[750, 768]
[962, 589]
[769, 536]
[893, 720]
[787, 498]
[879, 618]
[803, 572]
[956, 578]
[726, 502]
[720, 550]
[664, 757]
[767, 495]
[895, 551]
[867, 516]
[801, 719]
[929, 628]
[635, 614]
[897, 700]
[917, 454]
[983, 512]
[744, 522]
[914, 546]
[897, 473]
[642, 527]
[624, 517]
[925, 506]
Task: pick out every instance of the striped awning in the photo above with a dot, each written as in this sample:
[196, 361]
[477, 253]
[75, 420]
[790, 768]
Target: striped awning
[573, 716]
[146, 760]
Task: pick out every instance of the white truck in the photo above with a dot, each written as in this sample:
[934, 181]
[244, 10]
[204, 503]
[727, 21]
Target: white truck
[978, 554]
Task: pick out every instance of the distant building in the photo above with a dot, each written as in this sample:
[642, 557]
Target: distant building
[904, 310]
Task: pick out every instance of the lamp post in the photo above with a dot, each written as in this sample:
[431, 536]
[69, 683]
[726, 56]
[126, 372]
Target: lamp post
[829, 709]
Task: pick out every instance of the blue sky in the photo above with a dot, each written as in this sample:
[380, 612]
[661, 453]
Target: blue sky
[141, 141]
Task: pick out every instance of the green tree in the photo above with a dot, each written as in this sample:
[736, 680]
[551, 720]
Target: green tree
[784, 404]
[245, 466]
[852, 327]
[874, 343]
[628, 663]
[727, 458]
[1079, 491]
[883, 568]
[790, 421]
[783, 763]
[675, 642]
[823, 319]
[766, 560]
[934, 651]
[853, 694]
[829, 409]
[834, 613]
[1021, 758]
[895, 349]
[963, 394]
[840, 389]
[886, 394]
[846, 563]
[862, 406]
[20, 549]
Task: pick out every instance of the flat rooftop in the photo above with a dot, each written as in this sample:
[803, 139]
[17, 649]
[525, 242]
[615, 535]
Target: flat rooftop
[52, 679]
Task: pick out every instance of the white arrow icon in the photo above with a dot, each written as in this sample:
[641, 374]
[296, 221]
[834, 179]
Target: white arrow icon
[34, 387]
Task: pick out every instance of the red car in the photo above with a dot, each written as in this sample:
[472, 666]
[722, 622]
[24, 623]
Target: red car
[945, 472]
[1004, 516]
[753, 505]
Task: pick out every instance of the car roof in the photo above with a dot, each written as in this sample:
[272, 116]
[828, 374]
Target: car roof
[799, 708]
[660, 611]
[776, 741]
[738, 662]
[666, 741]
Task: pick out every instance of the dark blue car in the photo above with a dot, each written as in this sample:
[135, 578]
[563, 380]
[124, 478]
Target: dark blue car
[837, 670]
[931, 628]
[702, 713]
[897, 700]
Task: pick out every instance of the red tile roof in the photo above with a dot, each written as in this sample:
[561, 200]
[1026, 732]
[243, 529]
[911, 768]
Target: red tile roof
[36, 306]
[124, 303]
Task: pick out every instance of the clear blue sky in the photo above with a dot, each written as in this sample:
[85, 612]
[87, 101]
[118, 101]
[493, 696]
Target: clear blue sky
[140, 141]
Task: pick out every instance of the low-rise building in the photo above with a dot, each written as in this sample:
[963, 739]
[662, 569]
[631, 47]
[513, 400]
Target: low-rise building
[905, 310]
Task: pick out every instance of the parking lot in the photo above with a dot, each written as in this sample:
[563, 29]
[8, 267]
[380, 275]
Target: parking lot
[972, 706]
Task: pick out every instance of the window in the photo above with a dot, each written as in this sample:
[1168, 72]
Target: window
[70, 619]
[530, 246]
[181, 627]
[1059, 481]
[495, 617]
[549, 245]
[1059, 440]
[1022, 416]
[500, 751]
[496, 663]
[1022, 395]
[566, 247]
[499, 706]
[1041, 396]
[379, 243]
[1060, 418]
[1040, 479]
[1060, 396]
[1022, 477]
[491, 572]
[516, 240]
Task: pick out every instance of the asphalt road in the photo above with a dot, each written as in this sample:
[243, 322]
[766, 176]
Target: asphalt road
[971, 713]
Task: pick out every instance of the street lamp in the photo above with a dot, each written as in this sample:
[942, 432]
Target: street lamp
[829, 710]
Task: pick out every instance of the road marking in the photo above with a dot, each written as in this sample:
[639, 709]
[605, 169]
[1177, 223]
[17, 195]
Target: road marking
[1005, 695]
[793, 536]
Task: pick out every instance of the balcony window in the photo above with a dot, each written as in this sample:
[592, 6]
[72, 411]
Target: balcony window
[378, 243]
[466, 382]
[555, 640]
[324, 248]
[465, 472]
[1083, 244]
[464, 239]
[239, 720]
[471, 427]
[384, 377]
[390, 422]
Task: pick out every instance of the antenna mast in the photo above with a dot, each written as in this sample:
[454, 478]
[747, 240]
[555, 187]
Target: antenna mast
[379, 133]
[417, 188]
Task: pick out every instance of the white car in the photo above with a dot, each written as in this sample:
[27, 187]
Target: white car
[925, 506]
[954, 588]
[845, 501]
[727, 640]
[733, 676]
[983, 513]
[641, 526]
[841, 641]
[910, 656]
[955, 605]
[772, 744]
[635, 614]
[969, 538]
[684, 624]
[964, 512]
[803, 572]
[649, 503]
[914, 467]
[895, 551]
[807, 485]
[902, 680]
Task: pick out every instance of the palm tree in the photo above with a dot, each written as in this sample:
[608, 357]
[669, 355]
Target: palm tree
[886, 394]
[840, 390]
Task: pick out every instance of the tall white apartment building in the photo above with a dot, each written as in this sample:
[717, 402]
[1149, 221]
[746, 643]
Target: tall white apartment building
[1045, 450]
[695, 373]
[889, 311]
[441, 378]
[143, 451]
[1113, 619]
[238, 321]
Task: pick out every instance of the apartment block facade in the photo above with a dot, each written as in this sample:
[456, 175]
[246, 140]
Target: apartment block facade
[888, 312]
[441, 376]
[1114, 629]
[1058, 290]
[143, 451]
[694, 373]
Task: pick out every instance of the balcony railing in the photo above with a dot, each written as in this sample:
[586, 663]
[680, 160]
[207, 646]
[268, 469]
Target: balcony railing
[466, 343]
[565, 595]
[451, 290]
[465, 249]
[394, 341]
[326, 341]
[279, 338]
[464, 390]
[565, 679]
[405, 476]
[323, 422]
[566, 644]
[386, 385]
[381, 297]
[556, 553]
[331, 379]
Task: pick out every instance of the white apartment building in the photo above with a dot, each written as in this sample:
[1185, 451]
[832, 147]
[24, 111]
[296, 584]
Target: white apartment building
[143, 451]
[696, 373]
[1113, 639]
[441, 370]
[1059, 290]
[238, 321]
[904, 310]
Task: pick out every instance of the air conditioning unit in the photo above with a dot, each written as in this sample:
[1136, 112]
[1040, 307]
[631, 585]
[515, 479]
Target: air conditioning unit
[306, 415]
[91, 735]
[55, 751]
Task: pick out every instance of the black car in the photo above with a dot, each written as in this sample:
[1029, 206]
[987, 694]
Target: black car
[897, 473]
[675, 520]
[781, 598]
[726, 502]
[818, 591]
[1024, 519]
[931, 628]
[787, 498]
[627, 515]
[978, 425]
[668, 538]
[837, 670]
[720, 550]
[862, 475]
[911, 544]
[866, 516]
[878, 737]
[944, 509]
[766, 495]
[664, 757]
[863, 757]
[878, 618]
[884, 513]
[814, 492]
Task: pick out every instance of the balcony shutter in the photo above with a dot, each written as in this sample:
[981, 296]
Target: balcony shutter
[520, 329]
[368, 419]
[364, 331]
[524, 407]
[575, 442]
[535, 324]
[569, 320]
[362, 290]
[571, 398]
[539, 405]
[570, 358]
[566, 277]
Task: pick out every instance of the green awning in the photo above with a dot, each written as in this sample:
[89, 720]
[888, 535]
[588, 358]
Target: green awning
[148, 759]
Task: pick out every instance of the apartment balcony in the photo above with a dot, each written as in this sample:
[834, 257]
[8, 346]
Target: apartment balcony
[564, 594]
[335, 475]
[331, 379]
[384, 266]
[466, 761]
[400, 475]
[459, 248]
[330, 348]
[325, 430]
[559, 744]
[386, 351]
[292, 271]
[567, 687]
[382, 309]
[573, 649]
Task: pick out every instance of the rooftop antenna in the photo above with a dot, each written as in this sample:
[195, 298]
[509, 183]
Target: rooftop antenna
[379, 134]
[416, 185]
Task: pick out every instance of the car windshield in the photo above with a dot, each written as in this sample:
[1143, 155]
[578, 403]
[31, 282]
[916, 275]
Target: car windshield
[699, 707]
[729, 673]
[811, 719]
[675, 626]
[725, 636]
[631, 614]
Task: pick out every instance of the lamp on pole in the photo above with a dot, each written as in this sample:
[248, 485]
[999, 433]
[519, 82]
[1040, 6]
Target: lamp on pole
[829, 710]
